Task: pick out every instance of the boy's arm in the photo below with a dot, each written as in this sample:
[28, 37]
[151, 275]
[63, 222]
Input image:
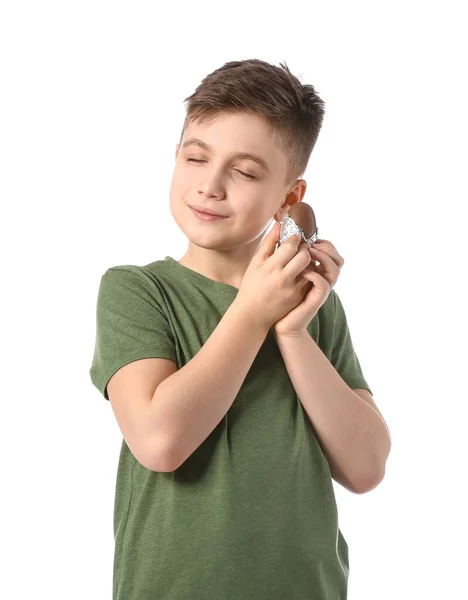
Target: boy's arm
[188, 405]
[352, 433]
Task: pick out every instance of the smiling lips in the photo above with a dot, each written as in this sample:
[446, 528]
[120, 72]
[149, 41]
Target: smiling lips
[205, 216]
[206, 211]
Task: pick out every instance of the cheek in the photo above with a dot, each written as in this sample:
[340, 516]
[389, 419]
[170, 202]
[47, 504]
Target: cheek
[180, 188]
[257, 204]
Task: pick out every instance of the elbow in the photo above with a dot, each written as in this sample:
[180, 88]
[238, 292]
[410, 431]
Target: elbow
[374, 477]
[368, 484]
[165, 457]
[158, 458]
[160, 464]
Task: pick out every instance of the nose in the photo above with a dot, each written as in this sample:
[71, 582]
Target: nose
[211, 186]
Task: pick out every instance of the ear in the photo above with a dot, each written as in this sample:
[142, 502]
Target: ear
[299, 189]
[295, 195]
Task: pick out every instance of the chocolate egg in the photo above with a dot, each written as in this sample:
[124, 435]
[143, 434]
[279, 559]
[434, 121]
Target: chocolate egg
[299, 219]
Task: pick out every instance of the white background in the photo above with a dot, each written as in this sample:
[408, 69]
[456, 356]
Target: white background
[91, 110]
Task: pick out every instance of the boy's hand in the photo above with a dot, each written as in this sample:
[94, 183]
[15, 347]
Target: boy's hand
[322, 277]
[272, 284]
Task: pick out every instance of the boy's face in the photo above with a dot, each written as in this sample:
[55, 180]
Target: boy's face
[218, 184]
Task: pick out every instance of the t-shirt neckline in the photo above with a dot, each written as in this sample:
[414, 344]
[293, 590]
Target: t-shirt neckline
[217, 286]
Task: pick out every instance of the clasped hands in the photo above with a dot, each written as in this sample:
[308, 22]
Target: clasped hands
[323, 277]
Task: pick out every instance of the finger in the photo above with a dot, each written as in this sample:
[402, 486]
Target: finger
[297, 263]
[327, 247]
[327, 268]
[310, 267]
[287, 250]
[319, 256]
[306, 287]
[326, 264]
[329, 254]
[322, 241]
[318, 280]
[268, 244]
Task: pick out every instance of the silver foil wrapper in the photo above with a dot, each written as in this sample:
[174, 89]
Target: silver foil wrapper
[289, 228]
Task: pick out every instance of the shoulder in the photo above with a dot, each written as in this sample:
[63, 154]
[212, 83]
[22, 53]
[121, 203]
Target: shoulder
[131, 275]
[130, 283]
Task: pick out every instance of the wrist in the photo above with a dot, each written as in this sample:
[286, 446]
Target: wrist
[250, 317]
[291, 334]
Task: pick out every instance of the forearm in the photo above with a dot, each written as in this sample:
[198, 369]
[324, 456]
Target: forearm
[188, 405]
[353, 435]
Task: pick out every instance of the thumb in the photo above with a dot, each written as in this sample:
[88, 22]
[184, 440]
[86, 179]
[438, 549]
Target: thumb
[268, 244]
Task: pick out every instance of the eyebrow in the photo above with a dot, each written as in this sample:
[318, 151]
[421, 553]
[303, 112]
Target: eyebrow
[208, 148]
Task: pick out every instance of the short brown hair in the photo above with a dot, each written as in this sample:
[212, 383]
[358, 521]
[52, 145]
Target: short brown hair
[292, 111]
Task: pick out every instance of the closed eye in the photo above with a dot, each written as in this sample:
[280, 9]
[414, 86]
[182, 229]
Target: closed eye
[241, 172]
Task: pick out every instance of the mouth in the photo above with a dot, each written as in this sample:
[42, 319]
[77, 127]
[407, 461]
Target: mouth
[206, 211]
[206, 215]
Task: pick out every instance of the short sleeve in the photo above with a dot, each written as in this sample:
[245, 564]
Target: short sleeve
[130, 324]
[343, 356]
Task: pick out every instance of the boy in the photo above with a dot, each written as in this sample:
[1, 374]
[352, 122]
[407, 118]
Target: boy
[234, 399]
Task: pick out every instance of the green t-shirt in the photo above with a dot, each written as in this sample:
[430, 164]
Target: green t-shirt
[251, 514]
